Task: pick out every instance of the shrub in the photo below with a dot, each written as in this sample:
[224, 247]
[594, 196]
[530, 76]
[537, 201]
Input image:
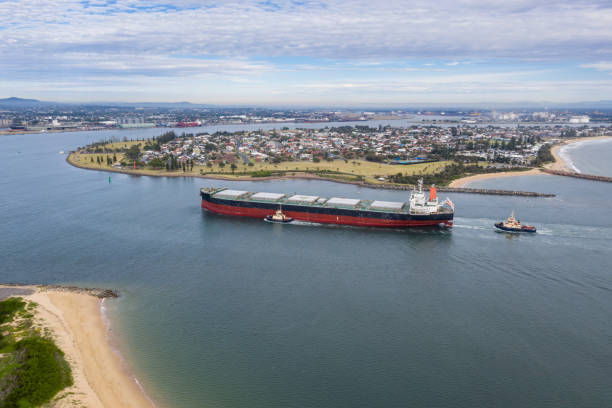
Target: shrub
[9, 307]
[41, 373]
[261, 173]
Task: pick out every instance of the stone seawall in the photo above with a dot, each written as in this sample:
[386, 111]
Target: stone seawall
[461, 190]
[578, 175]
[494, 192]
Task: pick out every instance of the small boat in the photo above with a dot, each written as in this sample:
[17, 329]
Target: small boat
[514, 225]
[278, 217]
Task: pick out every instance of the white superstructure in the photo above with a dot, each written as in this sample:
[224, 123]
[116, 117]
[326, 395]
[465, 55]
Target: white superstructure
[420, 204]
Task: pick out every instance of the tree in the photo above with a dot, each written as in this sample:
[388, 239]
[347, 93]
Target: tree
[133, 153]
[114, 158]
[234, 167]
[157, 163]
[512, 143]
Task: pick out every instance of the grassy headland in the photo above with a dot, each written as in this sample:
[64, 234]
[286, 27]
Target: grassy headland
[120, 157]
[353, 171]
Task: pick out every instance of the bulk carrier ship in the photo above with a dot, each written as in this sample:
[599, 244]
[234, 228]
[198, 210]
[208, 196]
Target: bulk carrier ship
[420, 211]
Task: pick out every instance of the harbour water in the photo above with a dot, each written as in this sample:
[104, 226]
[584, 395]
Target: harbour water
[228, 312]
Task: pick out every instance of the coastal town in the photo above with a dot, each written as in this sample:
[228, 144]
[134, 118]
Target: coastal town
[361, 153]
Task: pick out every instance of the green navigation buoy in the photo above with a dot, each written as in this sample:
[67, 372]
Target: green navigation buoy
[109, 179]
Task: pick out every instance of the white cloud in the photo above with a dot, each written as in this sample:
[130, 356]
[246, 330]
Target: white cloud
[599, 66]
[177, 43]
[337, 29]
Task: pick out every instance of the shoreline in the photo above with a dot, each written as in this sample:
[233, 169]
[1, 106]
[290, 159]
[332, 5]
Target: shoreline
[75, 319]
[463, 181]
[152, 173]
[299, 176]
[5, 132]
[560, 164]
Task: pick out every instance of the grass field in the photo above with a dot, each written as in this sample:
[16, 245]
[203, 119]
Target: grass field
[371, 171]
[127, 145]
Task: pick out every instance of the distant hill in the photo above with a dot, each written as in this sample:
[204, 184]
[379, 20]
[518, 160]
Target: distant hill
[595, 105]
[602, 105]
[14, 101]
[18, 101]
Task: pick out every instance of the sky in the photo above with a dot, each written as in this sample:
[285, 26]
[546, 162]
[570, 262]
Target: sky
[307, 53]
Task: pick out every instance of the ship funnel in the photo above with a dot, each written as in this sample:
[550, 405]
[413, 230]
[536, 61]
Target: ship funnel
[432, 193]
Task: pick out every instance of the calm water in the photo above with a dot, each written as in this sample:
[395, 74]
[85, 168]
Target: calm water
[226, 312]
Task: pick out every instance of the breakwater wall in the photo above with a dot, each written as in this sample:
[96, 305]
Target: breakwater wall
[578, 175]
[494, 192]
[461, 190]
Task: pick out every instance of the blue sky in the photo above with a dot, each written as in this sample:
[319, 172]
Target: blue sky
[284, 52]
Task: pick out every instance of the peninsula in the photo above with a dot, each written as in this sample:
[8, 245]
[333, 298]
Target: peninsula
[383, 156]
[361, 154]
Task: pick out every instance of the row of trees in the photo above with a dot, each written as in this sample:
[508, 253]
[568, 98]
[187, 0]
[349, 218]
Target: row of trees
[102, 159]
[544, 155]
[170, 163]
[447, 174]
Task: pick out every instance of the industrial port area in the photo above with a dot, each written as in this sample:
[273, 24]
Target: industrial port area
[18, 115]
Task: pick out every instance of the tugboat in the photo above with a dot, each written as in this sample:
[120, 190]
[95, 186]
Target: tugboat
[514, 225]
[278, 218]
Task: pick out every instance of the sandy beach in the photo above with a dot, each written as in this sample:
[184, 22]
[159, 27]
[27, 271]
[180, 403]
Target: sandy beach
[559, 164]
[76, 325]
[466, 180]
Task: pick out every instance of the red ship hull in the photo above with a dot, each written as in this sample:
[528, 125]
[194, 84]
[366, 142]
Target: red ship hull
[324, 218]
